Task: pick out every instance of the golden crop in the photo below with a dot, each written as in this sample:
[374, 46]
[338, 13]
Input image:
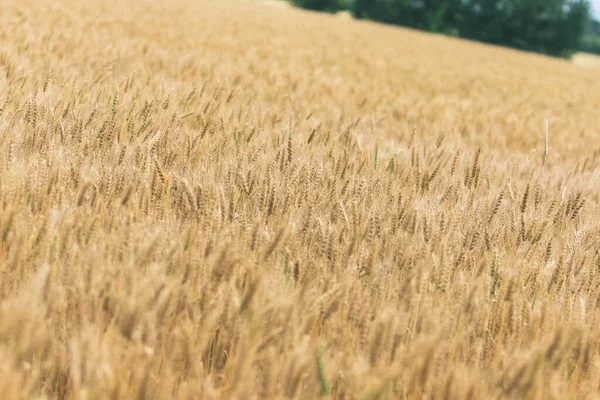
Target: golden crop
[226, 199]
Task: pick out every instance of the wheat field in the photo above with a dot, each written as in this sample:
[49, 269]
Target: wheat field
[231, 199]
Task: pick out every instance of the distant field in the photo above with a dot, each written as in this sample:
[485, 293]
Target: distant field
[223, 199]
[586, 59]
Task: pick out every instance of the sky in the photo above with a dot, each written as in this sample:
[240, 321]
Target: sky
[596, 8]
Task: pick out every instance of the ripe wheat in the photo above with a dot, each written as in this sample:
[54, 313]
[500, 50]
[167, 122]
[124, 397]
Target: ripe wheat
[222, 199]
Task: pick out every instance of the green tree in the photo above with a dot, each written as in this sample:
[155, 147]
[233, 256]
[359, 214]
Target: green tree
[549, 26]
[319, 5]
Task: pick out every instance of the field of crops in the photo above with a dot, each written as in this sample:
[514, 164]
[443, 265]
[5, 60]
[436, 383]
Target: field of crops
[233, 199]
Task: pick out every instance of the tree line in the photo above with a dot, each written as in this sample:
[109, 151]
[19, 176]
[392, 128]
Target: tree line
[553, 27]
[590, 42]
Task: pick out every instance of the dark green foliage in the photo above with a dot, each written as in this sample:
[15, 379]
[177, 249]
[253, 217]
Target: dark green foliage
[320, 5]
[553, 27]
[548, 26]
[590, 42]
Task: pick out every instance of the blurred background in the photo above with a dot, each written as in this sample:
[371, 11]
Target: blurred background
[555, 27]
